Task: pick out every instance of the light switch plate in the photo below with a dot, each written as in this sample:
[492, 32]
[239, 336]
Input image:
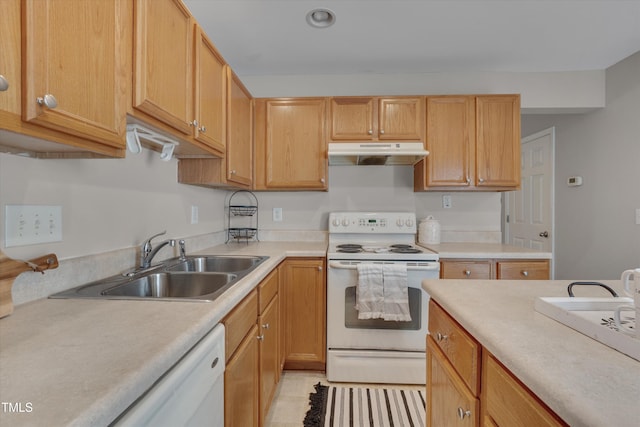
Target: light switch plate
[277, 214]
[32, 224]
[446, 201]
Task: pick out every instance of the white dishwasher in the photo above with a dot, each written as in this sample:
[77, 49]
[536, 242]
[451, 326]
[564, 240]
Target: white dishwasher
[190, 394]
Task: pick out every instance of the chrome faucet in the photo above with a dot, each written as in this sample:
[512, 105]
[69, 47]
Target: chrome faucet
[148, 251]
[183, 252]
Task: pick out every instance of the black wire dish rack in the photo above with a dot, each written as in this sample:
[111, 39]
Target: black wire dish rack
[242, 210]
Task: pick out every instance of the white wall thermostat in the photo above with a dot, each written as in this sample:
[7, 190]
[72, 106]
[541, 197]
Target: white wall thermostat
[574, 181]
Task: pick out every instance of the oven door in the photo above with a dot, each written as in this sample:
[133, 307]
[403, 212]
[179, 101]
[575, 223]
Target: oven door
[346, 331]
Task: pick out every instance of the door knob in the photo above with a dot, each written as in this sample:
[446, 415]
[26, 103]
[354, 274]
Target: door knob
[544, 234]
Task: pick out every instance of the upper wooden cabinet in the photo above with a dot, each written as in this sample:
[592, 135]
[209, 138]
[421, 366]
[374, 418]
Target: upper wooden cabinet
[66, 63]
[290, 144]
[376, 119]
[179, 79]
[473, 144]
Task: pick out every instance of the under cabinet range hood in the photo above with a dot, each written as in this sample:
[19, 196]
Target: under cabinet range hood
[376, 153]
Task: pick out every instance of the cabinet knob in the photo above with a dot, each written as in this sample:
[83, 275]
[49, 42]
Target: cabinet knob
[462, 413]
[480, 179]
[48, 101]
[319, 268]
[266, 326]
[525, 273]
[381, 131]
[233, 172]
[202, 129]
[322, 180]
[467, 273]
[544, 234]
[260, 337]
[370, 131]
[193, 123]
[441, 337]
[468, 180]
[4, 84]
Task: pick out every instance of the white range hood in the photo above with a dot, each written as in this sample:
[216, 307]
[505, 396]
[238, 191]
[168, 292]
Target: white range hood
[376, 153]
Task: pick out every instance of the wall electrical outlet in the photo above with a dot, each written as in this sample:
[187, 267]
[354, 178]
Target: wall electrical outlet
[194, 214]
[277, 214]
[32, 224]
[446, 201]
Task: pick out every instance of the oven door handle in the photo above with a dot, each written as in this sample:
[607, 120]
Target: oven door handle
[435, 266]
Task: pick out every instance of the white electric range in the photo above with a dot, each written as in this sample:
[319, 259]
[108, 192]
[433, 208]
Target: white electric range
[375, 350]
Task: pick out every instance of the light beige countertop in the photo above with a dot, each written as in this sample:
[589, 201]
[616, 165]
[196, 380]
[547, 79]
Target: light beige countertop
[484, 250]
[586, 383]
[83, 362]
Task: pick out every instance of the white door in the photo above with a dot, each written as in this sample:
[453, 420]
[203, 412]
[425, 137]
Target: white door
[529, 211]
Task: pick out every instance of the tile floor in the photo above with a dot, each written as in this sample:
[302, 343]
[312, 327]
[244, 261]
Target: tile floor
[291, 401]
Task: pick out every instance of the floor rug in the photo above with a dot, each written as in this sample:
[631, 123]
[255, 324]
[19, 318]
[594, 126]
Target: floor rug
[365, 407]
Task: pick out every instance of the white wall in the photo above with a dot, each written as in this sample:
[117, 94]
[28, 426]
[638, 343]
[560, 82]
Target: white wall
[596, 236]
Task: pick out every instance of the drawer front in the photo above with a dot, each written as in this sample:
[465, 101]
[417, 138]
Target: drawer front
[508, 403]
[239, 322]
[267, 289]
[523, 270]
[449, 402]
[461, 350]
[465, 270]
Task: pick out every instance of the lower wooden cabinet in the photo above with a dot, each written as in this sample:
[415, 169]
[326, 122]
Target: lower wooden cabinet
[512, 269]
[269, 338]
[241, 384]
[304, 310]
[456, 370]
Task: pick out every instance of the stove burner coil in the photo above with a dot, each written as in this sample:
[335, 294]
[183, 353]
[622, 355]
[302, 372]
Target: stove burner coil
[405, 250]
[401, 246]
[349, 248]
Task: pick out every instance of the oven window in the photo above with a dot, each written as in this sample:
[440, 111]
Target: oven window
[351, 314]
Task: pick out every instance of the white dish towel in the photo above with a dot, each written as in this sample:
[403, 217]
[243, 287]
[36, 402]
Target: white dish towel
[382, 292]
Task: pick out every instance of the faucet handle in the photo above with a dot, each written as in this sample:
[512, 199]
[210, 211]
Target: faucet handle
[183, 254]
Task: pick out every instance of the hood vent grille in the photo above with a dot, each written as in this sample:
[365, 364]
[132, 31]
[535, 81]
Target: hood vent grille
[376, 153]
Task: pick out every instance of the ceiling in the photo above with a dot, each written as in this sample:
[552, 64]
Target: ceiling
[272, 37]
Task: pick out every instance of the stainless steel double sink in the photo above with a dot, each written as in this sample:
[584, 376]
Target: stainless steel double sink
[193, 278]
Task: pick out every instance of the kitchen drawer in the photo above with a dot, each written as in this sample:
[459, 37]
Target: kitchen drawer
[465, 270]
[462, 351]
[523, 270]
[239, 322]
[450, 403]
[508, 403]
[267, 289]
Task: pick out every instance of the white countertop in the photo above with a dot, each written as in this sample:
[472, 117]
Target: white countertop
[484, 250]
[83, 362]
[586, 383]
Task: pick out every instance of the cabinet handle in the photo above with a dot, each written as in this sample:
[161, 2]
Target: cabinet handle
[48, 101]
[322, 180]
[233, 171]
[194, 123]
[4, 84]
[266, 326]
[381, 131]
[544, 234]
[480, 180]
[525, 273]
[214, 363]
[370, 131]
[467, 273]
[441, 337]
[462, 413]
[319, 268]
[468, 180]
[202, 129]
[260, 337]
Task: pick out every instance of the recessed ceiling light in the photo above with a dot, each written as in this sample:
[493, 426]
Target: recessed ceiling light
[321, 18]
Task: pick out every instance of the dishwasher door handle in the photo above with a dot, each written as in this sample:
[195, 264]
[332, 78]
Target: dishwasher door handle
[432, 266]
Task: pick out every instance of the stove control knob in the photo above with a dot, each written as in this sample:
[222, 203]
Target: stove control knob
[400, 222]
[409, 222]
[345, 222]
[335, 222]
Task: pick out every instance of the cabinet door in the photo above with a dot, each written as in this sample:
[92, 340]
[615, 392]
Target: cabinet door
[401, 119]
[352, 119]
[74, 51]
[291, 145]
[449, 402]
[523, 270]
[240, 132]
[450, 140]
[498, 141]
[305, 313]
[466, 270]
[269, 361]
[10, 57]
[163, 63]
[241, 384]
[210, 94]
